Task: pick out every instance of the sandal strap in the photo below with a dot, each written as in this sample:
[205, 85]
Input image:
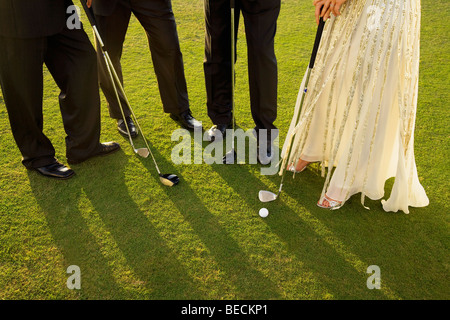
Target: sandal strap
[332, 204]
[292, 168]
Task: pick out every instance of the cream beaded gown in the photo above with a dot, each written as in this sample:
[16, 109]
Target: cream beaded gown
[359, 112]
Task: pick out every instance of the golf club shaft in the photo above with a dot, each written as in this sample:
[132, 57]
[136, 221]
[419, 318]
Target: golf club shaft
[233, 59]
[108, 65]
[117, 97]
[115, 80]
[291, 136]
[119, 84]
[233, 70]
[308, 74]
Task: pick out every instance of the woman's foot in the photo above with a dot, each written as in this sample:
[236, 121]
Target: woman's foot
[301, 166]
[328, 203]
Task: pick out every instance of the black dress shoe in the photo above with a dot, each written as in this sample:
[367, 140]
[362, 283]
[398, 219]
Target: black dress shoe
[56, 170]
[108, 148]
[217, 131]
[105, 149]
[123, 128]
[187, 120]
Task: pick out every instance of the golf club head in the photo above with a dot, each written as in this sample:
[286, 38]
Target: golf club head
[266, 196]
[169, 179]
[143, 152]
[230, 157]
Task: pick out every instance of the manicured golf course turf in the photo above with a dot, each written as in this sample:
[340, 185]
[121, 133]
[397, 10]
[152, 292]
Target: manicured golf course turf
[134, 238]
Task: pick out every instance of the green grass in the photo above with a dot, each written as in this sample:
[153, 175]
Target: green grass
[134, 238]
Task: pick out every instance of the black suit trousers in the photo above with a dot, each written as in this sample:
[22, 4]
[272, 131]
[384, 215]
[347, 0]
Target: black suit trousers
[260, 19]
[70, 58]
[157, 19]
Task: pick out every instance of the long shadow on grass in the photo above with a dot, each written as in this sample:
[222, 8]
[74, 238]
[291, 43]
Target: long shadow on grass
[59, 202]
[386, 239]
[249, 282]
[302, 231]
[102, 182]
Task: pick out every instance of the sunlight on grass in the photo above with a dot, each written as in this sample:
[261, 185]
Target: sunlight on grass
[121, 271]
[327, 235]
[174, 228]
[135, 238]
[263, 254]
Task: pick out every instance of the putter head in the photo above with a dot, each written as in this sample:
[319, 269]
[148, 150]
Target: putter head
[230, 157]
[143, 152]
[169, 179]
[266, 196]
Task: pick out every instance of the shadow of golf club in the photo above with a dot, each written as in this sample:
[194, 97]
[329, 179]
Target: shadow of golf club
[249, 282]
[140, 242]
[145, 252]
[302, 231]
[72, 237]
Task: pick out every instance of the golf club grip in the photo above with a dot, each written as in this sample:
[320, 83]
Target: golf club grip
[317, 42]
[232, 5]
[89, 13]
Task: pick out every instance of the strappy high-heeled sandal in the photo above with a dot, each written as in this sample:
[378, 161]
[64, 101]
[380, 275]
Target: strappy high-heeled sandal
[332, 204]
[292, 168]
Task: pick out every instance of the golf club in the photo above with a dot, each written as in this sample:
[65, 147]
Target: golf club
[143, 152]
[267, 196]
[230, 156]
[166, 179]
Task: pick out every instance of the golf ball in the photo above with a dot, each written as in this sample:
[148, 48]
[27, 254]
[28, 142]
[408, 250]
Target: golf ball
[263, 212]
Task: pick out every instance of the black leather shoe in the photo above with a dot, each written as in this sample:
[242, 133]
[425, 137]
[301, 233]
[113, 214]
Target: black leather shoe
[217, 131]
[105, 149]
[56, 170]
[186, 120]
[123, 128]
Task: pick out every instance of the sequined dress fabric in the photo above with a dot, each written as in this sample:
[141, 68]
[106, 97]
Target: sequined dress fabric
[359, 112]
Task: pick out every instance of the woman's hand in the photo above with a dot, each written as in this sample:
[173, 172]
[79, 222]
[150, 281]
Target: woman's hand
[324, 8]
[89, 3]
